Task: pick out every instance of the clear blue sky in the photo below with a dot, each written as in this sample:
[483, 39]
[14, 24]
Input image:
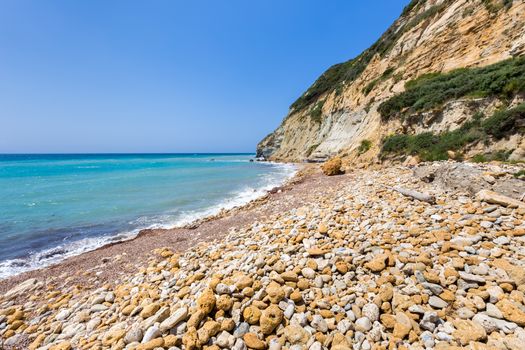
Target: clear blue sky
[167, 76]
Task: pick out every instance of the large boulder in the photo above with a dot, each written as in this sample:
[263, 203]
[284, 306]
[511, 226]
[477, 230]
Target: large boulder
[332, 167]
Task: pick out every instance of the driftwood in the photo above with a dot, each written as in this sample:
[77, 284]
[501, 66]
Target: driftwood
[424, 197]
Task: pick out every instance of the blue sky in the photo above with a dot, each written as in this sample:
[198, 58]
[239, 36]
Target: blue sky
[167, 76]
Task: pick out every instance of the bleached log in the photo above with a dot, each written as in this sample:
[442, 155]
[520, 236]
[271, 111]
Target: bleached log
[424, 197]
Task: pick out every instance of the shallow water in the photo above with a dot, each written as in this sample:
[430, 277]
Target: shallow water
[55, 206]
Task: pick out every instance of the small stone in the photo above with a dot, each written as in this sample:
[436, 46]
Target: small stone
[429, 320]
[152, 333]
[471, 277]
[428, 339]
[62, 315]
[290, 276]
[319, 323]
[222, 288]
[363, 324]
[206, 301]
[465, 313]
[241, 329]
[512, 312]
[149, 310]
[403, 325]
[270, 319]
[378, 264]
[173, 320]
[437, 302]
[493, 311]
[252, 314]
[467, 331]
[486, 322]
[253, 342]
[308, 273]
[296, 334]
[225, 340]
[371, 311]
[135, 334]
[275, 292]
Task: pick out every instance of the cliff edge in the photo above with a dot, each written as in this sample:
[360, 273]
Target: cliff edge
[447, 79]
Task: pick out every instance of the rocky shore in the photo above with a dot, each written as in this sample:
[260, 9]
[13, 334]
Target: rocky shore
[358, 265]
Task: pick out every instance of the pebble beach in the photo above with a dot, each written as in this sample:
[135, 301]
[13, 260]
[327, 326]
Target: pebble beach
[341, 262]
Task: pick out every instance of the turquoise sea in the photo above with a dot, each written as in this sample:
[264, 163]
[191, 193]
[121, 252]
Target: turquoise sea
[56, 206]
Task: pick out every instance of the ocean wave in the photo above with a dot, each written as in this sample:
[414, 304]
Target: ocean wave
[61, 252]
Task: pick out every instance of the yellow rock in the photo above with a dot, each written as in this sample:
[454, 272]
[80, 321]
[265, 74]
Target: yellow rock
[252, 314]
[511, 311]
[37, 342]
[113, 337]
[66, 345]
[296, 334]
[468, 331]
[170, 341]
[378, 264]
[196, 318]
[224, 302]
[149, 310]
[403, 325]
[244, 282]
[190, 339]
[152, 344]
[253, 342]
[275, 292]
[206, 301]
[208, 330]
[270, 319]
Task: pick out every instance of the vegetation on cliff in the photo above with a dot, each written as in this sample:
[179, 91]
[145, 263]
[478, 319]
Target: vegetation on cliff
[344, 73]
[429, 146]
[503, 79]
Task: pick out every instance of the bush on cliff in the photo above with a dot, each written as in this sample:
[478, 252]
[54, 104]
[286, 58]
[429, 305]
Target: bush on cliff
[504, 79]
[332, 167]
[364, 146]
[431, 147]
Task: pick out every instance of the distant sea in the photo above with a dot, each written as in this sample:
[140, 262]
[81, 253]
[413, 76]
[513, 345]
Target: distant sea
[56, 206]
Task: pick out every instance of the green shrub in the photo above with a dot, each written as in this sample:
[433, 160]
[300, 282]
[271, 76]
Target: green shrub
[493, 6]
[479, 158]
[505, 122]
[501, 155]
[370, 86]
[432, 147]
[364, 146]
[503, 79]
[520, 174]
[386, 74]
[317, 112]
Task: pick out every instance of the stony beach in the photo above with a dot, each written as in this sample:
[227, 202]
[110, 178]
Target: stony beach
[342, 262]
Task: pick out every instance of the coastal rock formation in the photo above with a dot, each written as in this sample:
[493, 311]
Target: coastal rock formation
[342, 109]
[363, 266]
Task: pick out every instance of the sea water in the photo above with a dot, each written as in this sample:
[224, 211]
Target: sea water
[56, 206]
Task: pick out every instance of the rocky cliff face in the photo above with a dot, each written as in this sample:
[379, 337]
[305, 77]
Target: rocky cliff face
[340, 110]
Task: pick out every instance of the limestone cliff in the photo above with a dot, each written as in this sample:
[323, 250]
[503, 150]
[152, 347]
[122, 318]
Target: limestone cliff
[340, 110]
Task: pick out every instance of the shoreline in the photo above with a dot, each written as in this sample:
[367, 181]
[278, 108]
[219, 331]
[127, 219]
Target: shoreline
[238, 201]
[114, 258]
[333, 260]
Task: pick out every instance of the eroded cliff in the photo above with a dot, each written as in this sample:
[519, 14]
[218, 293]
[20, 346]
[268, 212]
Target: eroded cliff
[340, 113]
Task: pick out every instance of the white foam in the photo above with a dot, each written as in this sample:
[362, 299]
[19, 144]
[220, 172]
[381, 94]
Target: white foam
[59, 253]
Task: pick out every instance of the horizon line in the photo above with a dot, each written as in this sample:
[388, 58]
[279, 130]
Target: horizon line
[117, 153]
